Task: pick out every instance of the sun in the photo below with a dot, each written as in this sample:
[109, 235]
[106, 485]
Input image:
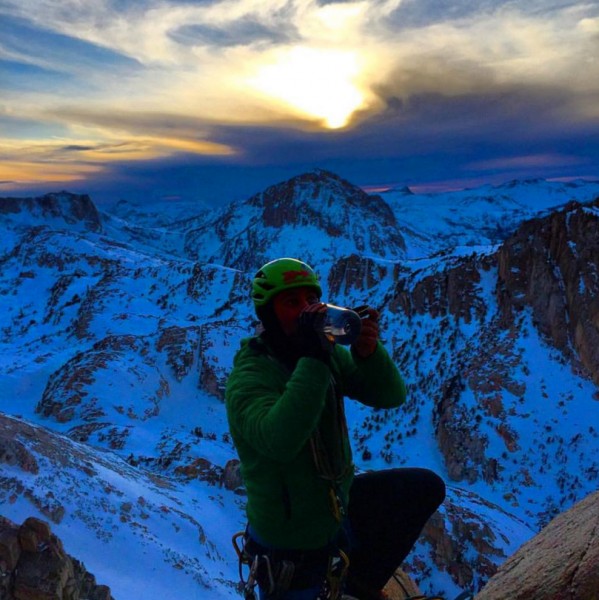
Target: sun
[316, 83]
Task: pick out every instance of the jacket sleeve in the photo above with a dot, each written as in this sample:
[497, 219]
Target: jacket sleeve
[274, 415]
[374, 381]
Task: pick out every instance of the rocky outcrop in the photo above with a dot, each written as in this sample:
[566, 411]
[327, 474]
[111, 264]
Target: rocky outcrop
[401, 587]
[17, 478]
[451, 287]
[308, 199]
[339, 218]
[491, 375]
[231, 478]
[180, 345]
[545, 276]
[74, 211]
[354, 274]
[218, 343]
[67, 393]
[551, 265]
[561, 562]
[35, 566]
[461, 445]
[467, 539]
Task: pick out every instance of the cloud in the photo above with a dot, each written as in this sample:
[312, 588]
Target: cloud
[202, 53]
[76, 148]
[497, 49]
[240, 33]
[525, 162]
[37, 47]
[24, 172]
[121, 81]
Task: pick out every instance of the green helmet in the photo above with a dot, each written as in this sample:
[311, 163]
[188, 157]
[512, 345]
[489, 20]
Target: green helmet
[282, 274]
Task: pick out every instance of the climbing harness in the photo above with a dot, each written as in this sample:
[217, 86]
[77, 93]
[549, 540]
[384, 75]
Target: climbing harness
[245, 559]
[277, 574]
[336, 574]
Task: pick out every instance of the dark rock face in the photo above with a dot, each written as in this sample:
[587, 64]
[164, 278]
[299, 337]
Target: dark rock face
[319, 190]
[66, 395]
[452, 289]
[35, 566]
[353, 274]
[231, 477]
[465, 539]
[547, 269]
[73, 209]
[561, 562]
[180, 345]
[400, 587]
[338, 214]
[462, 448]
[218, 341]
[550, 265]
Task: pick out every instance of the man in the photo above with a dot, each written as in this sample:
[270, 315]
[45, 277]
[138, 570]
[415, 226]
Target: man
[308, 516]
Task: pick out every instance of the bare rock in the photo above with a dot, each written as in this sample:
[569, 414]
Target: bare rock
[354, 273]
[450, 288]
[200, 468]
[71, 210]
[561, 562]
[311, 198]
[231, 478]
[334, 209]
[466, 540]
[401, 587]
[34, 534]
[10, 549]
[14, 453]
[34, 566]
[180, 345]
[550, 265]
[215, 354]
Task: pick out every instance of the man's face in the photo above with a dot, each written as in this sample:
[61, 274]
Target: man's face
[290, 303]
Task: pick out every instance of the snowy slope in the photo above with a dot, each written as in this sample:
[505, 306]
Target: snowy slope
[483, 216]
[140, 533]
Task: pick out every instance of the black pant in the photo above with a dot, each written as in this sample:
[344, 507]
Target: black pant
[387, 512]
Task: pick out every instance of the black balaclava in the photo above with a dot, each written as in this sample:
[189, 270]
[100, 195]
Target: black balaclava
[284, 347]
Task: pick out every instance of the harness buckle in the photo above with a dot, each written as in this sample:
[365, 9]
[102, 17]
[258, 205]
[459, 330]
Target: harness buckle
[336, 505]
[337, 571]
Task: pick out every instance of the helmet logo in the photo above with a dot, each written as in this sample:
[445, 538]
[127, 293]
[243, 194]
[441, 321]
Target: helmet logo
[291, 276]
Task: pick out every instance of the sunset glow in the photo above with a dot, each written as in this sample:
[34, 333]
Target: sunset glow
[316, 83]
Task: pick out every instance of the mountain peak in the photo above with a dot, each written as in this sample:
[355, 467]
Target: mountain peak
[318, 185]
[62, 210]
[300, 217]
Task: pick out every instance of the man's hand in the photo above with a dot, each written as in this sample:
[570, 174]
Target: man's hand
[366, 342]
[312, 339]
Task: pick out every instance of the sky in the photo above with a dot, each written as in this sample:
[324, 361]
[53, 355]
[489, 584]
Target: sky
[213, 100]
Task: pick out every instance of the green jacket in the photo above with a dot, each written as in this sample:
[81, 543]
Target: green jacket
[273, 413]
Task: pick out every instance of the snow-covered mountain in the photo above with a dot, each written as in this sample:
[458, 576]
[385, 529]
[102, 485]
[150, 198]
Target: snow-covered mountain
[118, 331]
